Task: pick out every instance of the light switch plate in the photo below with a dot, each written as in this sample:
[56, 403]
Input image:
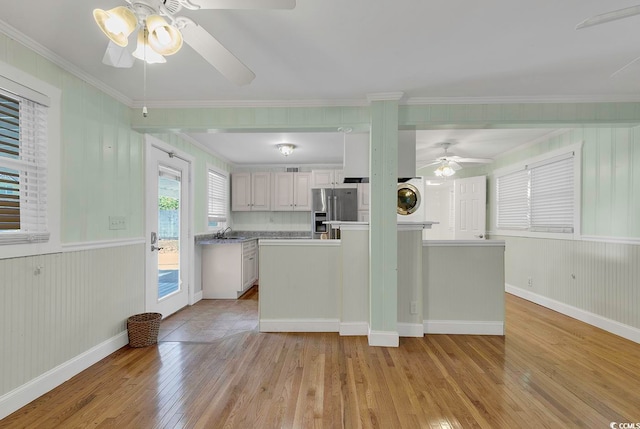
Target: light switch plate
[117, 222]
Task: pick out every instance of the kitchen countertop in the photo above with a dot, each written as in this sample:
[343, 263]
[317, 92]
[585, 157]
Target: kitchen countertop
[243, 236]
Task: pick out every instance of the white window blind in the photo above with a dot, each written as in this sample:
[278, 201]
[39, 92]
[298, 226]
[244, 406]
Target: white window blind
[538, 198]
[513, 200]
[23, 172]
[552, 196]
[217, 196]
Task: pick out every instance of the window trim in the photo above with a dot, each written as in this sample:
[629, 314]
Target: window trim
[14, 79]
[577, 194]
[218, 170]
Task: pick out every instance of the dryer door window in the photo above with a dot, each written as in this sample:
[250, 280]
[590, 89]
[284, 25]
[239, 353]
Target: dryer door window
[408, 199]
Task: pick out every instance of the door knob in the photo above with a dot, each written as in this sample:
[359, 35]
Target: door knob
[480, 236]
[155, 248]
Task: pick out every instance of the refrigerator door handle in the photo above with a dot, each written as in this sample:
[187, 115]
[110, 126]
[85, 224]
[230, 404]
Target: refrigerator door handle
[335, 207]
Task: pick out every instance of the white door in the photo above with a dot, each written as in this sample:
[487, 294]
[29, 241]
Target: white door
[470, 196]
[302, 191]
[167, 208]
[282, 192]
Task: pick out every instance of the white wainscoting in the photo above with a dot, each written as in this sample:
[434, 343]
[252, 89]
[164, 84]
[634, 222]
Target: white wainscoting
[61, 313]
[594, 280]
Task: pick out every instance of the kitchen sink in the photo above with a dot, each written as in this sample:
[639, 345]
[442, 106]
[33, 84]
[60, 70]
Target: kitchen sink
[230, 238]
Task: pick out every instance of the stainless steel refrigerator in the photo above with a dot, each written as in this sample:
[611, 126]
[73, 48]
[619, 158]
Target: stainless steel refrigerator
[329, 204]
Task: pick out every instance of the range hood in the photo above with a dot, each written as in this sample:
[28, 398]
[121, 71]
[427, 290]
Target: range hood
[356, 157]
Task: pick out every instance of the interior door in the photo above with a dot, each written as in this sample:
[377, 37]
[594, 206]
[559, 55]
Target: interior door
[167, 232]
[470, 197]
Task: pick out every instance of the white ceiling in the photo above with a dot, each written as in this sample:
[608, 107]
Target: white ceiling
[336, 52]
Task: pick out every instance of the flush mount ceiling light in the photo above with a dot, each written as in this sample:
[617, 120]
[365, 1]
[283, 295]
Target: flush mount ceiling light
[285, 148]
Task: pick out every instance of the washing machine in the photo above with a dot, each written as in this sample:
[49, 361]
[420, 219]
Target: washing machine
[410, 200]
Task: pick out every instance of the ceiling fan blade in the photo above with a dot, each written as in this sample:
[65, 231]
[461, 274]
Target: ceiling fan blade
[117, 56]
[473, 160]
[609, 16]
[629, 64]
[436, 162]
[217, 55]
[245, 4]
[455, 165]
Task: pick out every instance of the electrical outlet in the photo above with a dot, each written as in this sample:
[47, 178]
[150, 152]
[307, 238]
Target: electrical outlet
[530, 282]
[414, 307]
[117, 222]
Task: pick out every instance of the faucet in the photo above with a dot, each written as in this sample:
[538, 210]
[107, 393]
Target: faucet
[222, 232]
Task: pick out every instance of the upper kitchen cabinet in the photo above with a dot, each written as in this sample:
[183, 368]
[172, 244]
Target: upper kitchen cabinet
[291, 191]
[251, 192]
[329, 179]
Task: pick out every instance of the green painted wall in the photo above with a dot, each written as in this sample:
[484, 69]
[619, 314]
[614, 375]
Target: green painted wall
[102, 158]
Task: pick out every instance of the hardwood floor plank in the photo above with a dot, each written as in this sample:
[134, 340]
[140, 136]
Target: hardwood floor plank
[548, 371]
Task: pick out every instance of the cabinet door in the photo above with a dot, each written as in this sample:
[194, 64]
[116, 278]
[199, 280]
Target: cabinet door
[322, 179]
[338, 180]
[241, 192]
[283, 192]
[302, 191]
[261, 191]
[363, 215]
[363, 196]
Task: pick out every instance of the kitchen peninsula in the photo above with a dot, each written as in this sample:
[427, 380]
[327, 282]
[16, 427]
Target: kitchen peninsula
[444, 287]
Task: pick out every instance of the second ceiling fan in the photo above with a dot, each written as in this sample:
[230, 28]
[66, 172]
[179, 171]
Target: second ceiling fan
[449, 163]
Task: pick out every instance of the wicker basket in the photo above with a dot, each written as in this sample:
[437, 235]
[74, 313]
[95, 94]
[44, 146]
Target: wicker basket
[143, 329]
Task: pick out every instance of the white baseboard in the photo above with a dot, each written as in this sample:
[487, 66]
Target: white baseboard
[410, 330]
[51, 379]
[384, 338]
[354, 328]
[197, 297]
[463, 327]
[617, 328]
[299, 325]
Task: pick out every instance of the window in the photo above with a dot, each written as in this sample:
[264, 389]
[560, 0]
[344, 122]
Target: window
[217, 192]
[540, 196]
[23, 170]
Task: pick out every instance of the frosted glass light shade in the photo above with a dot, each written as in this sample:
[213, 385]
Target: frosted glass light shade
[165, 39]
[145, 52]
[117, 24]
[286, 149]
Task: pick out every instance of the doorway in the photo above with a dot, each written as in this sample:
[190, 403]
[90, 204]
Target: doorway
[168, 255]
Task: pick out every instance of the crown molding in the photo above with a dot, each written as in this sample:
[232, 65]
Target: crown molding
[187, 104]
[385, 96]
[48, 54]
[551, 99]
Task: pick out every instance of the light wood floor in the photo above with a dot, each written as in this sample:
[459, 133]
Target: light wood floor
[214, 369]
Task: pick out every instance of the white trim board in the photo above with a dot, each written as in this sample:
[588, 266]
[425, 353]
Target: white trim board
[354, 329]
[21, 396]
[463, 327]
[299, 325]
[103, 244]
[410, 330]
[612, 326]
[383, 338]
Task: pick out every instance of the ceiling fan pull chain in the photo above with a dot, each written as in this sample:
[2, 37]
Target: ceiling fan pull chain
[144, 75]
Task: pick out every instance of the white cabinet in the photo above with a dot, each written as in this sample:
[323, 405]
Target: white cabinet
[229, 269]
[363, 202]
[363, 196]
[291, 191]
[251, 191]
[329, 179]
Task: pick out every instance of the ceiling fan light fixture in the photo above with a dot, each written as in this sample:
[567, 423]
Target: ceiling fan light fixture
[285, 148]
[145, 52]
[117, 23]
[444, 170]
[164, 38]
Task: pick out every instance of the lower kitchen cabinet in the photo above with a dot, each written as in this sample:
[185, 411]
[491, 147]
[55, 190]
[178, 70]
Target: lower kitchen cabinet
[229, 269]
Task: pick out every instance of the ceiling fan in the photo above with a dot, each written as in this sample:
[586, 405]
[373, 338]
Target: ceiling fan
[608, 17]
[161, 33]
[449, 163]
